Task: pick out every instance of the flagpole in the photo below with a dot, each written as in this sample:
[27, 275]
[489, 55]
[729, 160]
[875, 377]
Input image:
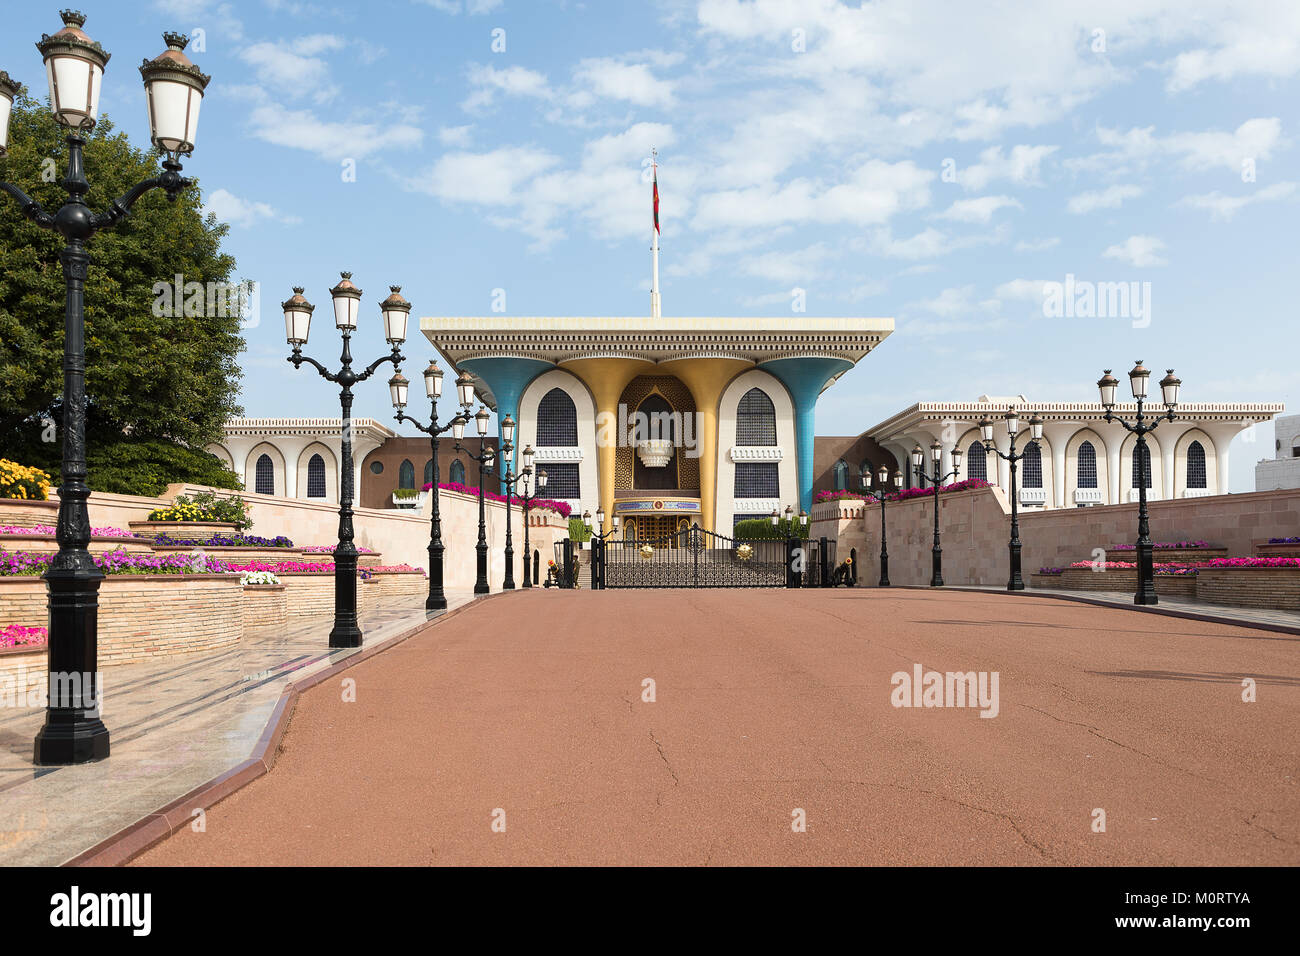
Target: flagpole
[654, 280]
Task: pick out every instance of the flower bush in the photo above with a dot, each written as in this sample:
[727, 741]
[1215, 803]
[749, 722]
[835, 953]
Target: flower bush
[20, 481]
[206, 506]
[366, 573]
[18, 635]
[1250, 563]
[1166, 545]
[226, 541]
[50, 529]
[563, 508]
[1284, 540]
[329, 549]
[258, 577]
[1051, 570]
[117, 561]
[402, 494]
[967, 485]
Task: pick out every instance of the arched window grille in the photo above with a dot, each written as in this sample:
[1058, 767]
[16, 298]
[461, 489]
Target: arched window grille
[841, 475]
[557, 420]
[1142, 453]
[316, 477]
[264, 481]
[755, 419]
[977, 463]
[428, 472]
[457, 471]
[1196, 472]
[1033, 466]
[406, 474]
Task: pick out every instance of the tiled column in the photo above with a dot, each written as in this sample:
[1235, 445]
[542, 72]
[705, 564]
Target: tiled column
[607, 377]
[706, 378]
[805, 378]
[506, 378]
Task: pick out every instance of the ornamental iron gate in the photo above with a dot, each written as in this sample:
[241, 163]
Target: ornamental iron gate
[690, 558]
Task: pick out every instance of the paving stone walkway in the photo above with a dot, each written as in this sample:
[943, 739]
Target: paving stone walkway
[175, 724]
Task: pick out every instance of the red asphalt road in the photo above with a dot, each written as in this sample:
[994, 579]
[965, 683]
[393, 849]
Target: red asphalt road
[770, 701]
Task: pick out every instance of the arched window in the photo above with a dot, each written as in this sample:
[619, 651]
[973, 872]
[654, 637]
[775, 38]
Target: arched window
[428, 472]
[755, 419]
[1196, 474]
[841, 475]
[977, 462]
[1033, 465]
[316, 477]
[1142, 453]
[557, 419]
[264, 481]
[406, 474]
[1087, 468]
[457, 471]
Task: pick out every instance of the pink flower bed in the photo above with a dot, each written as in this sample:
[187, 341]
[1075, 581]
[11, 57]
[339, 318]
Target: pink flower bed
[16, 635]
[562, 507]
[50, 529]
[967, 485]
[1166, 545]
[329, 549]
[837, 496]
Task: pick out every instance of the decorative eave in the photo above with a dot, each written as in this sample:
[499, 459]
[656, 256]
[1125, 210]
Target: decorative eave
[924, 413]
[559, 339]
[310, 427]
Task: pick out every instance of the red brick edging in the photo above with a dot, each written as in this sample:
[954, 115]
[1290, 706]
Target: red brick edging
[130, 842]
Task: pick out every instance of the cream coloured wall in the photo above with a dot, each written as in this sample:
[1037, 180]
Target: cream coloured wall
[585, 407]
[785, 443]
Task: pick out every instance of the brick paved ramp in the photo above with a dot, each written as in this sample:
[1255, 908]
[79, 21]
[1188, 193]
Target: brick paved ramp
[769, 701]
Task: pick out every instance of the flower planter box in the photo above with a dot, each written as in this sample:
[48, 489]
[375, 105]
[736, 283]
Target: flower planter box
[234, 555]
[144, 616]
[48, 544]
[25, 513]
[364, 560]
[198, 530]
[1037, 580]
[1170, 555]
[383, 587]
[310, 592]
[265, 604]
[1250, 587]
[1265, 550]
[1176, 585]
[21, 669]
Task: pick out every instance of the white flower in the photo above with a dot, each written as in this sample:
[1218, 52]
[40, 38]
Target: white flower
[258, 577]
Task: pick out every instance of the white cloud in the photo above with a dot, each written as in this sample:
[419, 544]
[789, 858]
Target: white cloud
[492, 178]
[1264, 42]
[979, 210]
[334, 140]
[454, 7]
[1021, 166]
[1112, 197]
[295, 68]
[873, 193]
[1021, 289]
[1223, 207]
[487, 81]
[1137, 251]
[455, 136]
[798, 266]
[1038, 245]
[242, 212]
[1137, 148]
[609, 78]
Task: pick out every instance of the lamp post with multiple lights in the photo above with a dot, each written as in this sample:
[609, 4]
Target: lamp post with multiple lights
[398, 385]
[73, 731]
[509, 479]
[1014, 581]
[486, 459]
[396, 311]
[882, 476]
[1141, 426]
[528, 498]
[918, 465]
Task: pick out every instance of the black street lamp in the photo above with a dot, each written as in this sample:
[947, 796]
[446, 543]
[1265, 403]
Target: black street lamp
[918, 465]
[598, 544]
[1169, 386]
[486, 458]
[297, 323]
[437, 599]
[73, 731]
[528, 498]
[1014, 582]
[882, 477]
[510, 480]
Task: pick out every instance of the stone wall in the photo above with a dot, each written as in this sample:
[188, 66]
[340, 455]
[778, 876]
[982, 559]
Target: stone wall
[1250, 587]
[975, 526]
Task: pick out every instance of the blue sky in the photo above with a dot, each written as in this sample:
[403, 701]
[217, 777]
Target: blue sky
[932, 161]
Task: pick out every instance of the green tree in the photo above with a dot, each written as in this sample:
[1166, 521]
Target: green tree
[162, 385]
